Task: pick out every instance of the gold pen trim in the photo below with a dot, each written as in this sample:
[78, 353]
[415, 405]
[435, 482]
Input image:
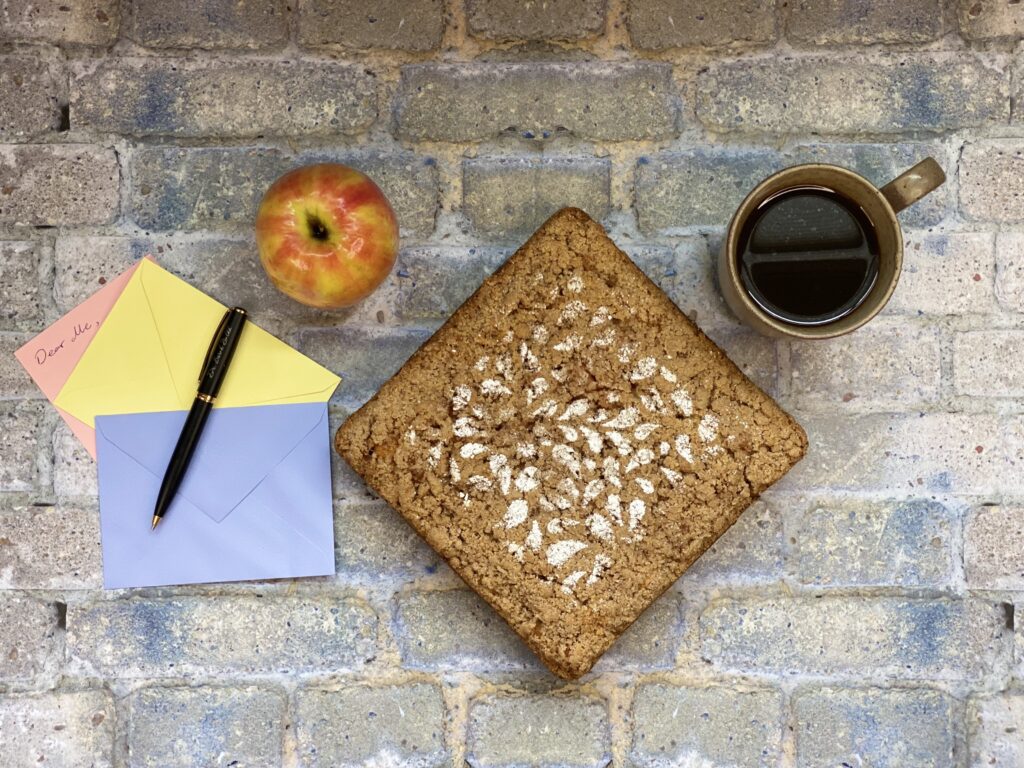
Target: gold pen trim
[205, 398]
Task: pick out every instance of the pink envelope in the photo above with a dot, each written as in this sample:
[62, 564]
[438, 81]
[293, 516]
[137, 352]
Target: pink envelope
[51, 356]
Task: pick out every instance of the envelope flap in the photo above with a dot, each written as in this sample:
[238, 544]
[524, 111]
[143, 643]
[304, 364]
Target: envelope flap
[239, 447]
[124, 367]
[264, 369]
[185, 321]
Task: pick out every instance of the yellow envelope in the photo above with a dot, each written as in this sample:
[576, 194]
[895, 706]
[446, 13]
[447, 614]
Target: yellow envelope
[147, 355]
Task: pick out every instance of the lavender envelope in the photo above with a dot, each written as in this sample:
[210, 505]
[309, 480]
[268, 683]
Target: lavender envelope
[256, 502]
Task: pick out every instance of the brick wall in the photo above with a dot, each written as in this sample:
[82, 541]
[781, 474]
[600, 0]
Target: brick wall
[869, 610]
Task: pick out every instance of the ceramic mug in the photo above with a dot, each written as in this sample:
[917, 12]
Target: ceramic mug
[880, 207]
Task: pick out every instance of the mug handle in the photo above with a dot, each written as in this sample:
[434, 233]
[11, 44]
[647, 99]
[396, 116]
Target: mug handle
[913, 184]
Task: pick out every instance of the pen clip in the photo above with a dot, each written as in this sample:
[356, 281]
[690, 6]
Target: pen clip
[213, 344]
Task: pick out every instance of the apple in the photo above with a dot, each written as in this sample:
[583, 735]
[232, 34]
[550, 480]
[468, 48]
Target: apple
[327, 235]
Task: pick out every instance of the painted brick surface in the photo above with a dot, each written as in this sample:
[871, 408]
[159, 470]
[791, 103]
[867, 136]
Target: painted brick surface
[373, 542]
[993, 541]
[699, 188]
[945, 639]
[513, 730]
[364, 359]
[74, 473]
[30, 91]
[210, 725]
[456, 630]
[49, 548]
[828, 95]
[754, 354]
[860, 543]
[69, 729]
[982, 363]
[945, 274]
[243, 635]
[509, 198]
[28, 639]
[911, 453]
[703, 187]
[1018, 641]
[750, 552]
[723, 726]
[886, 365]
[414, 25]
[844, 22]
[685, 273]
[220, 188]
[90, 22]
[511, 20]
[66, 184]
[990, 20]
[651, 642]
[14, 382]
[991, 185]
[866, 610]
[1010, 271]
[252, 25]
[184, 98]
[433, 282]
[21, 435]
[995, 735]
[20, 295]
[660, 24]
[610, 102]
[389, 725]
[868, 726]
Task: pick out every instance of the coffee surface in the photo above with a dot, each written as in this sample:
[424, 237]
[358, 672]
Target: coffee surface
[808, 255]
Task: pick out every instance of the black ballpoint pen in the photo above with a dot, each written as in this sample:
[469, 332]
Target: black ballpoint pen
[211, 376]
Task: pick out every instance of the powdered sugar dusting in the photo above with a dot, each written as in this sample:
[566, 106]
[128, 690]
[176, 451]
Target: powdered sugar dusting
[584, 476]
[516, 514]
[560, 552]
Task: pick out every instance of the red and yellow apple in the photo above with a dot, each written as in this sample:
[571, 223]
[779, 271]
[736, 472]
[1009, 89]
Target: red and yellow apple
[326, 234]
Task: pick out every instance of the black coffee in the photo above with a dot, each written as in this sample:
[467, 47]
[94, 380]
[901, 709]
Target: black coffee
[808, 255]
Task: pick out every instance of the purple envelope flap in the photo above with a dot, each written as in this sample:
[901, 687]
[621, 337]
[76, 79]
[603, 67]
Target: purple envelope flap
[238, 449]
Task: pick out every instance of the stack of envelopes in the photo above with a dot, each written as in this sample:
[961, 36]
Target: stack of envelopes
[256, 503]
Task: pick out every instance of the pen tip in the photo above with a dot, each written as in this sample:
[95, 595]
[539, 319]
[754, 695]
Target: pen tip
[156, 522]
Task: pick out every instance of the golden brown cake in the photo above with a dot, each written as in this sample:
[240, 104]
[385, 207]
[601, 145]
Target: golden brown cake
[569, 442]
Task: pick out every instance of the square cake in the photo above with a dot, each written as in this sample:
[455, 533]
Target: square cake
[569, 442]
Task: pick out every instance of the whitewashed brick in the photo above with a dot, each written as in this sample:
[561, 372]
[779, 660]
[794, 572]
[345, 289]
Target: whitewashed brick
[994, 730]
[210, 725]
[908, 454]
[750, 552]
[455, 630]
[29, 645]
[949, 273]
[203, 635]
[873, 726]
[1010, 270]
[991, 184]
[839, 542]
[993, 547]
[987, 363]
[706, 726]
[902, 637]
[517, 730]
[65, 729]
[880, 366]
[361, 726]
[50, 548]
